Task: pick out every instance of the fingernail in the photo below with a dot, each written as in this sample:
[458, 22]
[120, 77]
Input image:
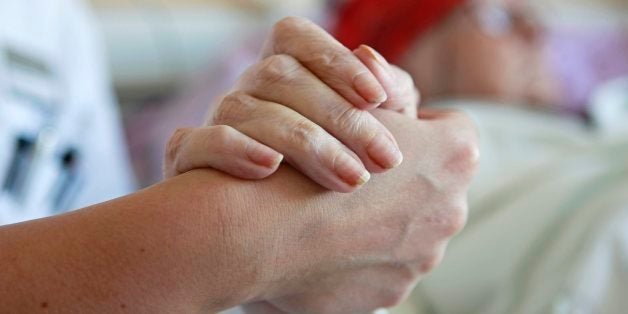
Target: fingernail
[376, 55]
[384, 152]
[263, 156]
[369, 88]
[379, 59]
[350, 170]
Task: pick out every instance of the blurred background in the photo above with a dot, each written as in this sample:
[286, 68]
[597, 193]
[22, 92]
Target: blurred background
[545, 80]
[154, 46]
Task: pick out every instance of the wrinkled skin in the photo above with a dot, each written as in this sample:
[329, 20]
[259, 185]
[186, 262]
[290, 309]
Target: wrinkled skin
[372, 249]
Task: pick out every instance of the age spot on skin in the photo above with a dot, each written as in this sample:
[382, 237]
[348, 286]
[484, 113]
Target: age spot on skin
[123, 306]
[44, 305]
[142, 250]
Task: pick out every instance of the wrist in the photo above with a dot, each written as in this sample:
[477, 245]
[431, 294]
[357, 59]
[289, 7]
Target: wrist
[239, 235]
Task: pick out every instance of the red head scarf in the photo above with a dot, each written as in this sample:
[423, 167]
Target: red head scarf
[389, 26]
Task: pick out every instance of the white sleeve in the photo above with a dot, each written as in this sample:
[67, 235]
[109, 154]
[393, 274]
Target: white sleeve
[104, 170]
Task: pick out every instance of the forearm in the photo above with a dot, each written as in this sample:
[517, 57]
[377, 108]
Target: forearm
[163, 249]
[176, 245]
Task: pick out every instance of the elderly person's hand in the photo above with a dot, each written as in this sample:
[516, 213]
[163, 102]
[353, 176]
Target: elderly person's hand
[305, 100]
[302, 100]
[385, 237]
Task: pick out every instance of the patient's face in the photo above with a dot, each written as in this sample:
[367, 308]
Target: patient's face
[491, 50]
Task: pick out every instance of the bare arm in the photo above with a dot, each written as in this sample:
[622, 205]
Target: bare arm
[178, 246]
[207, 241]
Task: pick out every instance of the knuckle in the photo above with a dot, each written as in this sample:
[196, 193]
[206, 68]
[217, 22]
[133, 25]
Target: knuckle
[288, 25]
[454, 219]
[286, 34]
[430, 263]
[305, 135]
[448, 220]
[330, 59]
[221, 136]
[233, 108]
[277, 68]
[349, 120]
[173, 149]
[464, 156]
[174, 143]
[463, 149]
[406, 275]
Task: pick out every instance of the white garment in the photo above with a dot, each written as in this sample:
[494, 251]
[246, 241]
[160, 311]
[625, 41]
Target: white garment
[56, 104]
[548, 222]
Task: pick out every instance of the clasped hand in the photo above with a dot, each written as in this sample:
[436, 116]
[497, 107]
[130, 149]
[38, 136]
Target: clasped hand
[311, 102]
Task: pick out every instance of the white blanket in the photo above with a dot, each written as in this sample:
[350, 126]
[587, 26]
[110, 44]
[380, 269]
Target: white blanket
[548, 223]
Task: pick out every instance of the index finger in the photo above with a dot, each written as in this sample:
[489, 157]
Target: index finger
[328, 59]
